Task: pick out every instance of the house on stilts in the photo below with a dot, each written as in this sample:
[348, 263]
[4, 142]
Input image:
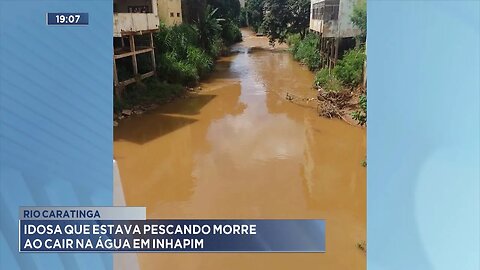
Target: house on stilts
[331, 21]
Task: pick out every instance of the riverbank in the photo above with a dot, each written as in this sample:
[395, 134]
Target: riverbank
[340, 90]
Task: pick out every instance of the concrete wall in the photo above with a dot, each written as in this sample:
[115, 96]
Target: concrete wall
[343, 27]
[121, 6]
[134, 22]
[167, 8]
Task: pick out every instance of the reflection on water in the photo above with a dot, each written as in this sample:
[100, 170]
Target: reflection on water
[240, 150]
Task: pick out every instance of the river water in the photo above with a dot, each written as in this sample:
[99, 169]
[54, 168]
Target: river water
[240, 150]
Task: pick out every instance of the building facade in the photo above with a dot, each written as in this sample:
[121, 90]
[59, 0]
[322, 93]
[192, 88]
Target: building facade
[170, 11]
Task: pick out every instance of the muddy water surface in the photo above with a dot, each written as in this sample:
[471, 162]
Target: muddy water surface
[241, 150]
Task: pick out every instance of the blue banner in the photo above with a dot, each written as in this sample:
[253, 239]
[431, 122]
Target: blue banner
[172, 236]
[67, 18]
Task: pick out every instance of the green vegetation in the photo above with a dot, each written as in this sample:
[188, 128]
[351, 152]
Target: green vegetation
[325, 79]
[322, 77]
[359, 16]
[146, 92]
[187, 52]
[230, 32]
[284, 17]
[227, 9]
[242, 21]
[360, 115]
[305, 50]
[254, 10]
[179, 55]
[208, 30]
[349, 70]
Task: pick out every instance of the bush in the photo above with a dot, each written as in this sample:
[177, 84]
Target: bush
[186, 73]
[218, 48]
[230, 32]
[322, 77]
[243, 17]
[146, 92]
[306, 51]
[293, 41]
[325, 79]
[209, 30]
[333, 85]
[349, 69]
[176, 39]
[202, 62]
[179, 55]
[360, 115]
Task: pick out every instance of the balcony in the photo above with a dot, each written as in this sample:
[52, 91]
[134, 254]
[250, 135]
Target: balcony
[126, 23]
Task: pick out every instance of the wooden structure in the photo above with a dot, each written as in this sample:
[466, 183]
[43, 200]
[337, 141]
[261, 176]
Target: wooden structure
[133, 19]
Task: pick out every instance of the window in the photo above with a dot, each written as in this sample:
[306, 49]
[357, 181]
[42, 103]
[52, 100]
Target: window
[330, 10]
[171, 14]
[178, 14]
[138, 9]
[326, 10]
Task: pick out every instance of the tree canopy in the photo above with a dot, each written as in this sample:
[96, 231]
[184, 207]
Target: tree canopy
[226, 9]
[254, 10]
[284, 17]
[359, 16]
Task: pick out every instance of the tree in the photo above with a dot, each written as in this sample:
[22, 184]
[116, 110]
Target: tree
[283, 17]
[193, 10]
[276, 20]
[208, 29]
[227, 9]
[254, 9]
[359, 16]
[300, 16]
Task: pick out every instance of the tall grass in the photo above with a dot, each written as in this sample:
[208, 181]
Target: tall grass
[305, 50]
[179, 55]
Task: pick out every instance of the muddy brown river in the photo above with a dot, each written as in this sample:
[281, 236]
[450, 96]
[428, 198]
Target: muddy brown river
[240, 150]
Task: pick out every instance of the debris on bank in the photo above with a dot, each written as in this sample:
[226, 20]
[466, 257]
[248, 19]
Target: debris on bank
[362, 246]
[332, 104]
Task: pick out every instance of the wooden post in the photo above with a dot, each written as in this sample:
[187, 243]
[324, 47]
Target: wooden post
[320, 51]
[337, 44]
[116, 86]
[154, 64]
[134, 55]
[115, 74]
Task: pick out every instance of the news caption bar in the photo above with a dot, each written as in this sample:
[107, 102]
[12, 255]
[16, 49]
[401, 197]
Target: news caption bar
[126, 229]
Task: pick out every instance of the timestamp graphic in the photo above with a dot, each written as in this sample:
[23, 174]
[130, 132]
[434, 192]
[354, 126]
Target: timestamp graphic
[67, 18]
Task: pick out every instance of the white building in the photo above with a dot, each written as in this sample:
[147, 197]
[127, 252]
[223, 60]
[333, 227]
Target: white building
[332, 18]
